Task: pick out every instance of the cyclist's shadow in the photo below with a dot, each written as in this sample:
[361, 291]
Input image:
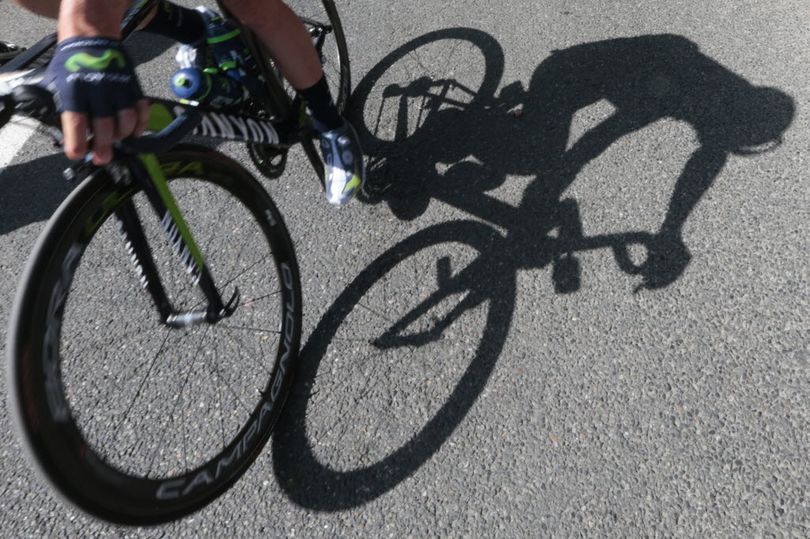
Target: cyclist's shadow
[646, 79]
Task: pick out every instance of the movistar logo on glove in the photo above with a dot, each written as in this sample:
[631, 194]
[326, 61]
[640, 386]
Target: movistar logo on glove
[92, 75]
[96, 63]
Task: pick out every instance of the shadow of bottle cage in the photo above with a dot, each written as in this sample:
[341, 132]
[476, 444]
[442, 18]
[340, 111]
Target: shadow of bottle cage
[407, 315]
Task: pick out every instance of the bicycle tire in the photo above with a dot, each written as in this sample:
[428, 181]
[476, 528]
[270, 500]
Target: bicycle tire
[51, 419]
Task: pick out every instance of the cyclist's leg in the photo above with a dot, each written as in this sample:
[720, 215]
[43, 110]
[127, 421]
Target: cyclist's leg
[284, 36]
[289, 43]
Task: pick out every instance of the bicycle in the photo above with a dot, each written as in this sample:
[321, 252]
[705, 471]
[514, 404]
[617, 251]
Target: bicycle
[114, 347]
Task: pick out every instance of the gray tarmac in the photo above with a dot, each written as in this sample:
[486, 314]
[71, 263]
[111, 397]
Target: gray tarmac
[617, 195]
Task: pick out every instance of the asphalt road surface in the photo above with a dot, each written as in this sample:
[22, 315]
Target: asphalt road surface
[618, 190]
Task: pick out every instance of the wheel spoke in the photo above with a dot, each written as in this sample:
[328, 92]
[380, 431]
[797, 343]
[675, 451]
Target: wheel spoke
[230, 388]
[141, 386]
[229, 332]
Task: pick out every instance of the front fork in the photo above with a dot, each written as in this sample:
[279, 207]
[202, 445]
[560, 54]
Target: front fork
[146, 172]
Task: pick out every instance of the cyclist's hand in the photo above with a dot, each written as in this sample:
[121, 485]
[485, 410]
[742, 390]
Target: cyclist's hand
[667, 258]
[97, 91]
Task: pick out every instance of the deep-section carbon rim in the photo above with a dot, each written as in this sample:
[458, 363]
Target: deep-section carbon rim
[129, 420]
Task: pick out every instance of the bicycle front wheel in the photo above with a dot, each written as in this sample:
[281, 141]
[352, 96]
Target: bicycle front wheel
[128, 419]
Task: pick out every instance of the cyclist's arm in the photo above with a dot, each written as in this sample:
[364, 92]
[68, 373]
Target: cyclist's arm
[97, 18]
[91, 18]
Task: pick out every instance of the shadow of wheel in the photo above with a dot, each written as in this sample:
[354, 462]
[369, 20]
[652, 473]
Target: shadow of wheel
[298, 456]
[445, 71]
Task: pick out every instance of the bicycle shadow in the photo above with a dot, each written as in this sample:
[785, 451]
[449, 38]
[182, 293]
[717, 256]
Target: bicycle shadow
[646, 79]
